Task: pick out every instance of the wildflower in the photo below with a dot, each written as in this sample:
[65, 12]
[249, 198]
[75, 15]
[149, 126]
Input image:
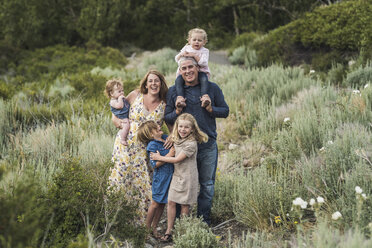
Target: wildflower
[356, 92]
[330, 142]
[336, 215]
[364, 196]
[351, 62]
[296, 222]
[311, 71]
[366, 86]
[286, 119]
[218, 237]
[312, 202]
[277, 219]
[299, 202]
[320, 199]
[358, 190]
[322, 149]
[262, 160]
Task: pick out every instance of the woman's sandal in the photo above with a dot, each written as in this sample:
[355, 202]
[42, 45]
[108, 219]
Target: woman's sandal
[166, 238]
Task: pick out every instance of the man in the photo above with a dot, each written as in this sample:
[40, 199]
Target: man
[206, 118]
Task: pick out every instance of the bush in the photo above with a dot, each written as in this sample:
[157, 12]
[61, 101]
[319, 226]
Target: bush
[338, 28]
[78, 198]
[360, 77]
[193, 232]
[24, 218]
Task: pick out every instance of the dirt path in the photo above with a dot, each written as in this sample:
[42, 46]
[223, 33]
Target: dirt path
[219, 57]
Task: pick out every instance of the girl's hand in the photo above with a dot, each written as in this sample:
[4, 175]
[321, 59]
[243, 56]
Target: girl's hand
[155, 156]
[168, 143]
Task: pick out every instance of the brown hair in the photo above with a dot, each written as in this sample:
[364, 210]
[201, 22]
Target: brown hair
[163, 85]
[200, 31]
[199, 135]
[144, 133]
[110, 84]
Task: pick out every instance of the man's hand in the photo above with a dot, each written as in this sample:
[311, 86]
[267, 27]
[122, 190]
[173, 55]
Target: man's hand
[206, 98]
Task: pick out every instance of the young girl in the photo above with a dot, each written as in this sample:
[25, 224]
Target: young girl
[119, 106]
[184, 186]
[150, 133]
[197, 38]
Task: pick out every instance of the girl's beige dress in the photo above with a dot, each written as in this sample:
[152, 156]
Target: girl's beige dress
[184, 185]
[130, 174]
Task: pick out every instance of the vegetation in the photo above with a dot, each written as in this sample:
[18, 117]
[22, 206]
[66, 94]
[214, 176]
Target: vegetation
[335, 33]
[299, 173]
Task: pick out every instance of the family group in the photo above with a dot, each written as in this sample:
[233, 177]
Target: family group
[182, 165]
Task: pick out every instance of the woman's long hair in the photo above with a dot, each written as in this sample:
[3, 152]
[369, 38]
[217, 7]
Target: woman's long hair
[163, 84]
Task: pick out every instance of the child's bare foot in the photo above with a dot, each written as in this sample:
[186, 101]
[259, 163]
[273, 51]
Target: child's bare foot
[180, 102]
[205, 100]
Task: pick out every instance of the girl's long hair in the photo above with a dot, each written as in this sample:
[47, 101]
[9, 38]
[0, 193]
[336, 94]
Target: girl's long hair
[199, 135]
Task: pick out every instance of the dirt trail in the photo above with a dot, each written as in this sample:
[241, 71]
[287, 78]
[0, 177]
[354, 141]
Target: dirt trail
[219, 57]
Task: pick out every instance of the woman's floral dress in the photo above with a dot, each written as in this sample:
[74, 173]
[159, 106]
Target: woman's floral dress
[130, 174]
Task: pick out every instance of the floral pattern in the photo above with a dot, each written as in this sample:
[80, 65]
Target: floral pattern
[130, 172]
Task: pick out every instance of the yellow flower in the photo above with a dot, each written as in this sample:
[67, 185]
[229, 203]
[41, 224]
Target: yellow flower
[277, 219]
[295, 222]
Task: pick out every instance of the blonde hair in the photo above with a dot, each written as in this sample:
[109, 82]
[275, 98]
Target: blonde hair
[144, 133]
[163, 84]
[199, 135]
[199, 31]
[110, 84]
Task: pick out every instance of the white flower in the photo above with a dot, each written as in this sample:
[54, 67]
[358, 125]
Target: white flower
[286, 119]
[322, 149]
[311, 71]
[356, 92]
[330, 142]
[364, 196]
[232, 146]
[262, 160]
[358, 190]
[336, 215]
[351, 62]
[320, 199]
[299, 202]
[366, 86]
[312, 202]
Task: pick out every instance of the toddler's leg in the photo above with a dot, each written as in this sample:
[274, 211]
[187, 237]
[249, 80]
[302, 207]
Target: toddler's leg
[124, 131]
[203, 80]
[180, 102]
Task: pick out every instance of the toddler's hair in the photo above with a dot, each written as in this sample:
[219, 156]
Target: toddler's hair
[200, 31]
[199, 135]
[110, 84]
[144, 133]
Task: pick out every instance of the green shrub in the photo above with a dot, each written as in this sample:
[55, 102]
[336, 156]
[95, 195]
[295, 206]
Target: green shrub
[193, 232]
[24, 218]
[335, 28]
[336, 74]
[360, 77]
[77, 197]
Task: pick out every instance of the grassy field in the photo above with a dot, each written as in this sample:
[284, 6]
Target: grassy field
[295, 150]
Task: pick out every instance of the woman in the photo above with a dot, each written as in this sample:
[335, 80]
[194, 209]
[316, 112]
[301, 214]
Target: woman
[130, 173]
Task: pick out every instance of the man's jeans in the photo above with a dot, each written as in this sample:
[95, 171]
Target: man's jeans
[207, 165]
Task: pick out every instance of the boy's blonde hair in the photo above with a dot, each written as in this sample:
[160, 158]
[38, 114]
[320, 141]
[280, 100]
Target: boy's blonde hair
[200, 31]
[110, 84]
[199, 135]
[144, 133]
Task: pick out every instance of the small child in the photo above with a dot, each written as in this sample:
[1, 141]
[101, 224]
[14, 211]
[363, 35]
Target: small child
[150, 133]
[184, 186]
[119, 106]
[197, 38]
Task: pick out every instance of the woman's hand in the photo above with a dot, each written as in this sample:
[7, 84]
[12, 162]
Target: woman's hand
[155, 156]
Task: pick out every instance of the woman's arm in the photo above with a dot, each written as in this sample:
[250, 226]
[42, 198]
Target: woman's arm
[180, 157]
[132, 95]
